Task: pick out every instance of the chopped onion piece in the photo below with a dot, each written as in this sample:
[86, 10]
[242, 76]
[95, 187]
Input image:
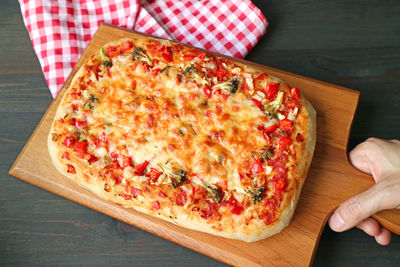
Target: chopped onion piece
[268, 169]
[280, 116]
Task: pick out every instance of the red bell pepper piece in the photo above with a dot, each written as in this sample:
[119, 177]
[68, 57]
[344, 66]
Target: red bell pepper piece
[295, 93]
[257, 103]
[286, 125]
[136, 191]
[139, 169]
[81, 147]
[272, 89]
[284, 141]
[154, 174]
[156, 205]
[65, 156]
[270, 129]
[80, 124]
[257, 166]
[126, 46]
[69, 141]
[92, 159]
[162, 194]
[237, 210]
[71, 169]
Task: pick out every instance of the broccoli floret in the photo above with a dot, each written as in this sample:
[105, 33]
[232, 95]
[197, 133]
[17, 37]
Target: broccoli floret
[138, 54]
[229, 87]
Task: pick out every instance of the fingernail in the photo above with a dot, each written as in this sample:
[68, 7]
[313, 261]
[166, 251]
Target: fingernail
[337, 221]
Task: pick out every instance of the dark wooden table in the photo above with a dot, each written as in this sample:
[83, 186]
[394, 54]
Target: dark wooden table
[355, 44]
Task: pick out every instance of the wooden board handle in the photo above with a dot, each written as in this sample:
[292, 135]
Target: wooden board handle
[390, 219]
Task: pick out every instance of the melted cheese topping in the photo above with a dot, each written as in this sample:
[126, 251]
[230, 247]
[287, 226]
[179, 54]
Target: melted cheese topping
[148, 111]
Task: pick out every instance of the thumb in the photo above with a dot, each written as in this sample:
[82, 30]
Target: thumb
[358, 208]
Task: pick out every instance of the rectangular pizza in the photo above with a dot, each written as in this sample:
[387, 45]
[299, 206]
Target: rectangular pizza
[187, 136]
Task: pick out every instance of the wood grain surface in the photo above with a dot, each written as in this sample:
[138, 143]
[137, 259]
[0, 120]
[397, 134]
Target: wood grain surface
[355, 44]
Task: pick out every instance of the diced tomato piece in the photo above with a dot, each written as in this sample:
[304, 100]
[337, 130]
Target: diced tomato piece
[110, 50]
[117, 178]
[187, 57]
[270, 129]
[156, 205]
[154, 174]
[92, 159]
[139, 169]
[65, 156]
[75, 96]
[269, 218]
[114, 155]
[80, 124]
[201, 55]
[81, 147]
[209, 113]
[71, 169]
[231, 202]
[224, 96]
[257, 166]
[126, 196]
[262, 76]
[155, 72]
[295, 93]
[72, 121]
[74, 107]
[69, 141]
[167, 56]
[136, 191]
[237, 210]
[155, 47]
[162, 194]
[207, 91]
[284, 141]
[211, 211]
[257, 103]
[280, 184]
[126, 46]
[221, 73]
[299, 137]
[180, 198]
[126, 162]
[224, 203]
[286, 125]
[116, 165]
[272, 89]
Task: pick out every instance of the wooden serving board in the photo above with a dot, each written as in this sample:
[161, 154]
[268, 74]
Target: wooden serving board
[331, 179]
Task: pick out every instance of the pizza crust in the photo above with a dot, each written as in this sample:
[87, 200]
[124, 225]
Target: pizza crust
[254, 231]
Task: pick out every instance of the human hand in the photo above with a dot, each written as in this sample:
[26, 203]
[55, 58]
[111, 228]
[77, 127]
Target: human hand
[381, 159]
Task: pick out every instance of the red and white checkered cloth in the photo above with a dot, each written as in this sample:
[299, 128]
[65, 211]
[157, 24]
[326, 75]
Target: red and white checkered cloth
[60, 30]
